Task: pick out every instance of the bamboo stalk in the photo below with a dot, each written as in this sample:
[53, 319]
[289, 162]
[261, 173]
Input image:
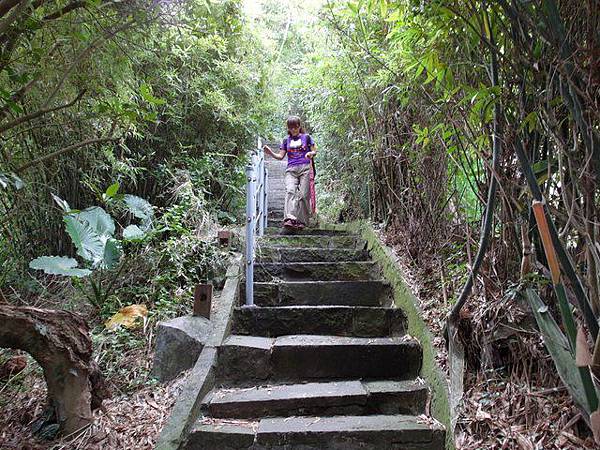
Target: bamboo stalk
[564, 259]
[565, 310]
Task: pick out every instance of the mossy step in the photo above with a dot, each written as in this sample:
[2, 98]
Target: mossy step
[278, 230]
[313, 241]
[375, 432]
[321, 319]
[327, 399]
[351, 293]
[247, 359]
[288, 254]
[317, 271]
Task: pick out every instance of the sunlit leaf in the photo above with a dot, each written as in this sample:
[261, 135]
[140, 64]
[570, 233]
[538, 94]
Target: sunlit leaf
[128, 317]
[112, 190]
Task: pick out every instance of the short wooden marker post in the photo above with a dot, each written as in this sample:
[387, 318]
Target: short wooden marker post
[224, 238]
[202, 300]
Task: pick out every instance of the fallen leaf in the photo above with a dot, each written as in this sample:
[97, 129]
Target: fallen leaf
[127, 317]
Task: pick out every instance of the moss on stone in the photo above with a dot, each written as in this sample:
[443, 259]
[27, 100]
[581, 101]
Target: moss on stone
[310, 241]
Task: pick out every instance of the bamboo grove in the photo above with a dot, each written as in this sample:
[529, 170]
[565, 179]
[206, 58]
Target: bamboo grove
[477, 119]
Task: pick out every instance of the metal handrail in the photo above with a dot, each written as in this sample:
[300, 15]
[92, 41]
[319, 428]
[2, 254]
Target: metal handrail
[256, 212]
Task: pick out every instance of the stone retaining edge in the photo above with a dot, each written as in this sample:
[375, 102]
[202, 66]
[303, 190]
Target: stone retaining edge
[404, 298]
[202, 377]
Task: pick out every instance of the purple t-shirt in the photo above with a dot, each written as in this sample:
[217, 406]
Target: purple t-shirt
[297, 148]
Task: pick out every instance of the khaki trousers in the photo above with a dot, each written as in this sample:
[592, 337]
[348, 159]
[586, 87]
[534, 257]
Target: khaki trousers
[297, 193]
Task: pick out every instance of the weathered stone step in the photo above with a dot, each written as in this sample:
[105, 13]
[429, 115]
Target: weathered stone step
[288, 254]
[351, 293]
[317, 271]
[246, 359]
[275, 216]
[313, 241]
[376, 432]
[279, 230]
[326, 399]
[321, 320]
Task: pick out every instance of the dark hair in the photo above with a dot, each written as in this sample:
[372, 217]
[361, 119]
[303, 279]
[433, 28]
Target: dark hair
[293, 122]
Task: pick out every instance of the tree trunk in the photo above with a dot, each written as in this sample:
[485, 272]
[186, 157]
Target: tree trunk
[59, 341]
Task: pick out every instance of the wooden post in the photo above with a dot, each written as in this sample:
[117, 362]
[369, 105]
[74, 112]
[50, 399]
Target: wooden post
[202, 300]
[224, 238]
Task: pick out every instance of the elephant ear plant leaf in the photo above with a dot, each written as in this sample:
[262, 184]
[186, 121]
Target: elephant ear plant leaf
[89, 243]
[59, 265]
[92, 232]
[140, 209]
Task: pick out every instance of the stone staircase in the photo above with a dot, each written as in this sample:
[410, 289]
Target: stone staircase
[322, 361]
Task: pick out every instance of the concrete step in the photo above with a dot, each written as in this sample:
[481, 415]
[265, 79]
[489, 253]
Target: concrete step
[323, 399]
[313, 241]
[351, 293]
[247, 359]
[288, 254]
[275, 215]
[320, 320]
[317, 271]
[376, 432]
[279, 230]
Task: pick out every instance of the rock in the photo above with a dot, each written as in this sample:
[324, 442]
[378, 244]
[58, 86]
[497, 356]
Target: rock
[178, 344]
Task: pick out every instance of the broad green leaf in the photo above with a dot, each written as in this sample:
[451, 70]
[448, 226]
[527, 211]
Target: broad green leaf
[139, 207]
[112, 254]
[133, 233]
[59, 265]
[90, 245]
[100, 221]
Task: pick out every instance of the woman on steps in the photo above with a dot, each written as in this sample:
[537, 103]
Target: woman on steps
[299, 175]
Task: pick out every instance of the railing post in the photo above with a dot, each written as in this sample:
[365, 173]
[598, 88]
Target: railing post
[260, 194]
[256, 209]
[265, 216]
[250, 227]
[261, 181]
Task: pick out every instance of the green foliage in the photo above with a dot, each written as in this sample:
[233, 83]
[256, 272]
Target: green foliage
[59, 265]
[92, 232]
[183, 85]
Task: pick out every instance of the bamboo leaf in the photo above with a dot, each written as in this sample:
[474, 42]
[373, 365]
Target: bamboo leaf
[558, 347]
